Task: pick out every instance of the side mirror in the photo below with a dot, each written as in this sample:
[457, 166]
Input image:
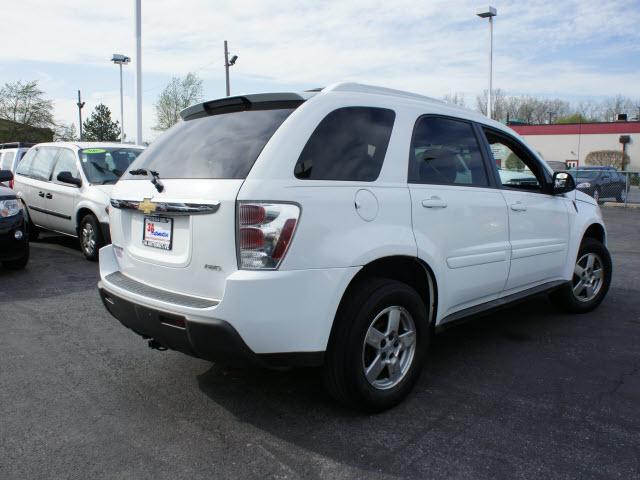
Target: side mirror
[66, 177]
[6, 176]
[563, 182]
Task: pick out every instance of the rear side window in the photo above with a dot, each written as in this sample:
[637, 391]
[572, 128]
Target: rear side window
[7, 160]
[445, 151]
[218, 146]
[349, 144]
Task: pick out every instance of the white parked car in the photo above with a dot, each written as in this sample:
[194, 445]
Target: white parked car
[65, 187]
[10, 156]
[339, 228]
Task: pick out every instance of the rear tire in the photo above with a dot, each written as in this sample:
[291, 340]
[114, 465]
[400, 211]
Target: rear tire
[591, 279]
[90, 237]
[596, 195]
[19, 263]
[622, 196]
[360, 345]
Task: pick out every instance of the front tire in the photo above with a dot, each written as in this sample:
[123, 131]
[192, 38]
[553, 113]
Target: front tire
[90, 237]
[377, 346]
[596, 195]
[591, 279]
[622, 196]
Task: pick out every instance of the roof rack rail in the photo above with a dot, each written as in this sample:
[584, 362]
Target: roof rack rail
[372, 89]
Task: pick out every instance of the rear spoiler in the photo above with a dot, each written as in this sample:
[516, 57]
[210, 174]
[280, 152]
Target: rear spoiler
[258, 101]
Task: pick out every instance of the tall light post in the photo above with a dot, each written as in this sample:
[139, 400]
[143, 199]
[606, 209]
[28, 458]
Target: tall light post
[120, 60]
[228, 63]
[138, 28]
[489, 12]
[80, 104]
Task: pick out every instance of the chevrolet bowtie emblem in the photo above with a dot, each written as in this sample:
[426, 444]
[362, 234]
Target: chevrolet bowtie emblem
[147, 206]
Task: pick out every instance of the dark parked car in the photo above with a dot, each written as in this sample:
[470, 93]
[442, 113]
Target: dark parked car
[601, 182]
[14, 239]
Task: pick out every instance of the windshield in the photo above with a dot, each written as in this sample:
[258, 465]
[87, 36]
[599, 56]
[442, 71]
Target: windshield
[218, 146]
[106, 165]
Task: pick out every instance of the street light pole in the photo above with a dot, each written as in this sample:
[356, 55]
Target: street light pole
[489, 13]
[120, 60]
[80, 104]
[138, 28]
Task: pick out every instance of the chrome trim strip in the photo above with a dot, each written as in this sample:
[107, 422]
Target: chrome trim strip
[170, 208]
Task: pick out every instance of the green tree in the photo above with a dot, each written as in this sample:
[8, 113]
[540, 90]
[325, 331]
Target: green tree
[513, 162]
[178, 95]
[24, 105]
[607, 158]
[573, 118]
[65, 133]
[99, 127]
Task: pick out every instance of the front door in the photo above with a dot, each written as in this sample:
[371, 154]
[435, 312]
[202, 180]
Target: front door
[61, 197]
[538, 221]
[460, 219]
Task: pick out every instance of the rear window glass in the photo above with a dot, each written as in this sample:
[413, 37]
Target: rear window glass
[349, 144]
[218, 146]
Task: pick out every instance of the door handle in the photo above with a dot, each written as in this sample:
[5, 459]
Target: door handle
[41, 194]
[434, 202]
[518, 207]
[48, 195]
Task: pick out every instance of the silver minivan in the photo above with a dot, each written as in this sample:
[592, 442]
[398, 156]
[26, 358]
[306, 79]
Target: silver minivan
[65, 187]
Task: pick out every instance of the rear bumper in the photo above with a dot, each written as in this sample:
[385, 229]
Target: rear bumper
[272, 318]
[10, 248]
[215, 340]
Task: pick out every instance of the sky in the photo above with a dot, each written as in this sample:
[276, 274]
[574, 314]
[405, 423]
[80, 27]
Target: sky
[572, 49]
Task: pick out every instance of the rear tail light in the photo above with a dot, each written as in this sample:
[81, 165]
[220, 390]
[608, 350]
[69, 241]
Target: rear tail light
[265, 231]
[11, 184]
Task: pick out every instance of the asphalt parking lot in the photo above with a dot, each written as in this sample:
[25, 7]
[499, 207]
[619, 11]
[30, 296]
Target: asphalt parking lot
[523, 393]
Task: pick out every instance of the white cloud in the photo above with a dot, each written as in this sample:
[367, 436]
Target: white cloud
[434, 47]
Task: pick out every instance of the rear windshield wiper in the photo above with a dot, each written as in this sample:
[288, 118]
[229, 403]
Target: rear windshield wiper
[155, 177]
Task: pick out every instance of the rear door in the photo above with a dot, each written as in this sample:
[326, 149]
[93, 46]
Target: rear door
[61, 197]
[183, 238]
[538, 221]
[460, 219]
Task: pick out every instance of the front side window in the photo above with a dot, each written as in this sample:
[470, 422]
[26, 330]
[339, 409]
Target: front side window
[445, 151]
[349, 144]
[517, 168]
[66, 163]
[106, 165]
[43, 162]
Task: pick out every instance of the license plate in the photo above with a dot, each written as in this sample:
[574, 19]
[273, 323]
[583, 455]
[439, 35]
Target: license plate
[158, 232]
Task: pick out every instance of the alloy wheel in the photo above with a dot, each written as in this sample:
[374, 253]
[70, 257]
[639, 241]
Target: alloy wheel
[588, 275]
[389, 348]
[88, 239]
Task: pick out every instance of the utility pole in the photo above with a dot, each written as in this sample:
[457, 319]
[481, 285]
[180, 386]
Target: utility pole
[226, 67]
[80, 104]
[228, 62]
[138, 28]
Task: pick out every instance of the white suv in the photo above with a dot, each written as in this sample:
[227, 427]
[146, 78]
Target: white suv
[340, 228]
[65, 187]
